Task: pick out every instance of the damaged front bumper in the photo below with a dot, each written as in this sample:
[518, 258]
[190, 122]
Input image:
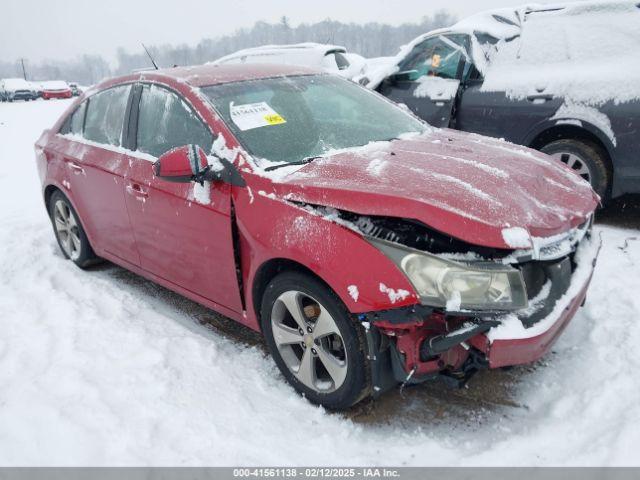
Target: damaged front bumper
[413, 344]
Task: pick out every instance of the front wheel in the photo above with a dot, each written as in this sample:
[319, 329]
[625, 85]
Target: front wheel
[317, 346]
[586, 159]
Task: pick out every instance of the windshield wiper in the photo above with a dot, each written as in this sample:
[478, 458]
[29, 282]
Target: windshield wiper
[304, 161]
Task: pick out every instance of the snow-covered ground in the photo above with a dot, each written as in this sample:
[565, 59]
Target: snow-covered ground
[101, 367]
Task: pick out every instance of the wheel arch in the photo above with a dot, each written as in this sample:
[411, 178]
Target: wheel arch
[546, 134]
[48, 193]
[271, 268]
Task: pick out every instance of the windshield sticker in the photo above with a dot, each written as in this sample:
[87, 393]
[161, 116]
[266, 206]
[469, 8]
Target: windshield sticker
[254, 115]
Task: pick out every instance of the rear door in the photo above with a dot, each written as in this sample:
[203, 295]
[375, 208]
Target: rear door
[182, 230]
[96, 167]
[429, 78]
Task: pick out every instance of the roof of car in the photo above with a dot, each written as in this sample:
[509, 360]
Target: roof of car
[210, 74]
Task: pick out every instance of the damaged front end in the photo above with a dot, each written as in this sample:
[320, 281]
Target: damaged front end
[479, 307]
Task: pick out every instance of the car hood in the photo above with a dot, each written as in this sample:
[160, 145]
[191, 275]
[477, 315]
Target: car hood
[477, 189]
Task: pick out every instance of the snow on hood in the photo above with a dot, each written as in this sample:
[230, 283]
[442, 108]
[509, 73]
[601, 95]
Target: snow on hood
[465, 185]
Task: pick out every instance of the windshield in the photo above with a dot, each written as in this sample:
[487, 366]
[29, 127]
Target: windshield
[290, 119]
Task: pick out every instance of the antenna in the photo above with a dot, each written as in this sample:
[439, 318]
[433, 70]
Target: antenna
[24, 72]
[150, 57]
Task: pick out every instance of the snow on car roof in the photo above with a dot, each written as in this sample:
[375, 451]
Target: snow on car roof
[585, 52]
[55, 85]
[16, 84]
[213, 74]
[307, 48]
[306, 54]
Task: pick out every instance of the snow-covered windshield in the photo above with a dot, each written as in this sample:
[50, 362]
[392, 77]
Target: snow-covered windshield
[290, 119]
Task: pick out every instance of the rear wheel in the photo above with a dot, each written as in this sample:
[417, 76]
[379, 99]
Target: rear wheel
[70, 235]
[586, 159]
[314, 341]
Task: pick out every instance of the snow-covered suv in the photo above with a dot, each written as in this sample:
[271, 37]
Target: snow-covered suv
[564, 80]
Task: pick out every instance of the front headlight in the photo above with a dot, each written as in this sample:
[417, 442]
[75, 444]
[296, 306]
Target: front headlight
[458, 286]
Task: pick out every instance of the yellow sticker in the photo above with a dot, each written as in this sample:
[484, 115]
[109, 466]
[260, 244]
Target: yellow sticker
[435, 60]
[274, 119]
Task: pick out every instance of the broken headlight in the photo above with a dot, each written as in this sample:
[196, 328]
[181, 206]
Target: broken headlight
[457, 285]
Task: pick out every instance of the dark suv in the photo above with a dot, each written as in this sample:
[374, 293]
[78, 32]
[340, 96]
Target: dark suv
[563, 80]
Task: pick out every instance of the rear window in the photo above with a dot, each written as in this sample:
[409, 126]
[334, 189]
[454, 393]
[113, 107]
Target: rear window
[105, 115]
[77, 119]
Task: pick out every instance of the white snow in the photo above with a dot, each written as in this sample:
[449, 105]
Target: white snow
[394, 295]
[202, 193]
[516, 237]
[100, 367]
[376, 166]
[577, 52]
[436, 88]
[578, 112]
[454, 302]
[353, 292]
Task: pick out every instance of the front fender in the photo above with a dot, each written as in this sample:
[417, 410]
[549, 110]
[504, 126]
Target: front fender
[589, 127]
[273, 228]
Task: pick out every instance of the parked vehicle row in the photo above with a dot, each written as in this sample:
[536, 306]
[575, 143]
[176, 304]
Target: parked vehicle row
[12, 89]
[368, 248]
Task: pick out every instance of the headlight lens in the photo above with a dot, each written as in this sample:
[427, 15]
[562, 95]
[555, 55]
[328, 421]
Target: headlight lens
[459, 286]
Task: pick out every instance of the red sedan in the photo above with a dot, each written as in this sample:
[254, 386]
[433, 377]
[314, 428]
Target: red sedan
[369, 248]
[56, 89]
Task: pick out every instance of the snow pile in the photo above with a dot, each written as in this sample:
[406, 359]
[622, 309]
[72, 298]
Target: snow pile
[353, 292]
[436, 88]
[394, 295]
[101, 367]
[585, 52]
[516, 237]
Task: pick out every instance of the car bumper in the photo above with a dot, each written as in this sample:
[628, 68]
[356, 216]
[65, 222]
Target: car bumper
[512, 344]
[57, 95]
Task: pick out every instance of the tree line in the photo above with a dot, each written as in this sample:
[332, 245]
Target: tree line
[369, 40]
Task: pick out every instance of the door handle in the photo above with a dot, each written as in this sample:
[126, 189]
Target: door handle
[74, 167]
[540, 98]
[137, 191]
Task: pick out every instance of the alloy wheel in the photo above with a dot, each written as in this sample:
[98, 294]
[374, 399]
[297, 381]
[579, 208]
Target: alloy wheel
[309, 341]
[67, 230]
[575, 163]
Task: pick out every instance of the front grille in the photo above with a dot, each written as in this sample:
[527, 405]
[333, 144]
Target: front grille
[534, 277]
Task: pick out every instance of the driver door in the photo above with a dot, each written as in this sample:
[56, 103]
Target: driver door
[429, 78]
[182, 230]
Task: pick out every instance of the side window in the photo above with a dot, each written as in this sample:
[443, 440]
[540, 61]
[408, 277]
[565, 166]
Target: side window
[165, 122]
[439, 56]
[105, 115]
[77, 119]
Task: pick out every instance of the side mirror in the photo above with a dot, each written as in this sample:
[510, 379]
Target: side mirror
[405, 76]
[190, 164]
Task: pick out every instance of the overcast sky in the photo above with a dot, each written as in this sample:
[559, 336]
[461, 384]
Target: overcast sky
[62, 29]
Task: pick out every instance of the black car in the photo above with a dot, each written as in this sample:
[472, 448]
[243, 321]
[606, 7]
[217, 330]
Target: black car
[563, 80]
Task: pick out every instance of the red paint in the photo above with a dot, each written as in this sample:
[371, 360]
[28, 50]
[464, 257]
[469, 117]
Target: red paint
[159, 230]
[49, 94]
[176, 164]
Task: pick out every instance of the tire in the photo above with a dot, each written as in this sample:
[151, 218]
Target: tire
[69, 232]
[587, 159]
[342, 351]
